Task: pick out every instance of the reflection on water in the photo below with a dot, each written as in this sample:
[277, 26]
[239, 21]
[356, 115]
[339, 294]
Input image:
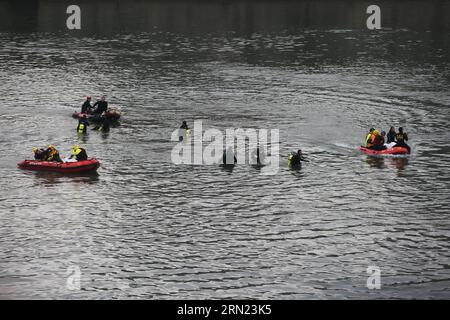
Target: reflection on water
[51, 178]
[146, 228]
[83, 137]
[376, 162]
[399, 163]
[383, 162]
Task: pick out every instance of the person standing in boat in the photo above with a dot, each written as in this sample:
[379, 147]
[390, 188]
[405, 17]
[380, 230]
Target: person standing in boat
[87, 107]
[100, 106]
[391, 135]
[401, 138]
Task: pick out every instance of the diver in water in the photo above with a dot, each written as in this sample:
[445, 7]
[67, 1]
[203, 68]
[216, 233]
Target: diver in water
[401, 138]
[258, 157]
[228, 157]
[105, 126]
[82, 125]
[295, 159]
[184, 131]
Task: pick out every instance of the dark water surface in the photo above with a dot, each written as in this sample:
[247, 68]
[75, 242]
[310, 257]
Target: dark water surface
[146, 228]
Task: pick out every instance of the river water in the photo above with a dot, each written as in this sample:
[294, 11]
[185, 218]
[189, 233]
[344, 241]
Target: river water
[147, 228]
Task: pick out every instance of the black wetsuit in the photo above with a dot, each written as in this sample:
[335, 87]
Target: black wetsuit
[401, 138]
[296, 160]
[86, 107]
[40, 154]
[391, 137]
[106, 125]
[101, 106]
[55, 157]
[81, 156]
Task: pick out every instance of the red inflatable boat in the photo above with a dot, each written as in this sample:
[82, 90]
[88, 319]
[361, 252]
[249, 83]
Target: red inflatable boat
[111, 115]
[394, 151]
[62, 167]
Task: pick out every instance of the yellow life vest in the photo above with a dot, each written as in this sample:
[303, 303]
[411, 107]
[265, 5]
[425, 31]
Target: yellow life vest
[290, 156]
[367, 138]
[81, 128]
[51, 155]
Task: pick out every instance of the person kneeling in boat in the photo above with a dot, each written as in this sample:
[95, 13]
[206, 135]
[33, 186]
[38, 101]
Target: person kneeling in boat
[82, 125]
[39, 154]
[368, 137]
[52, 154]
[401, 138]
[370, 140]
[379, 142]
[295, 159]
[79, 153]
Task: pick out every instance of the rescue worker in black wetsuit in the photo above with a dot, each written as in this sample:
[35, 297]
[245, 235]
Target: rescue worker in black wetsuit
[183, 132]
[105, 126]
[100, 106]
[82, 125]
[401, 138]
[295, 159]
[79, 153]
[87, 107]
[391, 135]
[258, 157]
[379, 142]
[52, 154]
[39, 154]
